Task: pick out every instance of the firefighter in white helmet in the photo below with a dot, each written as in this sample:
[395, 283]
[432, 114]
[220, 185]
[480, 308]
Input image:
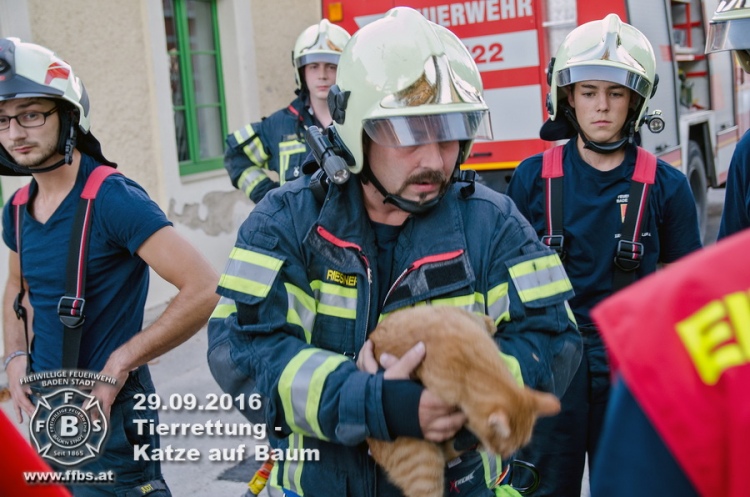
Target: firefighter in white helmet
[729, 29]
[688, 414]
[87, 299]
[311, 275]
[262, 155]
[612, 210]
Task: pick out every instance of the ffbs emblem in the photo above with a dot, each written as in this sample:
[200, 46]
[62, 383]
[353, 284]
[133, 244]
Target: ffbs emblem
[63, 430]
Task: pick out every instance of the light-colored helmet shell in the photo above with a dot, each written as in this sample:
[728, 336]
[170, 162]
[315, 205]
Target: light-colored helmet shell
[322, 42]
[729, 29]
[605, 50]
[405, 65]
[35, 71]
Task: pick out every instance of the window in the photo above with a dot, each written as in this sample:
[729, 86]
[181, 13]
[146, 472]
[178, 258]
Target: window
[197, 88]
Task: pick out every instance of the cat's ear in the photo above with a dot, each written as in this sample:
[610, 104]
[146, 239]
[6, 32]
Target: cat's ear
[499, 423]
[545, 404]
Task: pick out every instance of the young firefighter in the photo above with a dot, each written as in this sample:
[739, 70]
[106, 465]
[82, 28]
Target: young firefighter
[613, 217]
[277, 143]
[310, 277]
[45, 133]
[729, 29]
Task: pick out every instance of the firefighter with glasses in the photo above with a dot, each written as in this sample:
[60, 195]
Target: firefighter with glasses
[45, 133]
[397, 225]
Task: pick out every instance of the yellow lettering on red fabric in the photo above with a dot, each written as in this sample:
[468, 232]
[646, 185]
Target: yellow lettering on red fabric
[717, 336]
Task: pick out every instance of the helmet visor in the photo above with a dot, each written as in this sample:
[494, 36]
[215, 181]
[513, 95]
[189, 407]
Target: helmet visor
[408, 131]
[728, 35]
[618, 75]
[326, 58]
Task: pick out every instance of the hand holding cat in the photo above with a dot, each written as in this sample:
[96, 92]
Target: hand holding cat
[438, 421]
[395, 368]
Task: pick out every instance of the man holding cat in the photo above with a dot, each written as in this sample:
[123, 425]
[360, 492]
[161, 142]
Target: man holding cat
[311, 274]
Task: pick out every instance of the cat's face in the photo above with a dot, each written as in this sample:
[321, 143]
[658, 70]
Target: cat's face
[507, 430]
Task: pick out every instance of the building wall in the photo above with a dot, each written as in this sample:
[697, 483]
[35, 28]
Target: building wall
[118, 49]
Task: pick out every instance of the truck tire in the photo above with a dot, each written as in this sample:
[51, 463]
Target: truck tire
[696, 176]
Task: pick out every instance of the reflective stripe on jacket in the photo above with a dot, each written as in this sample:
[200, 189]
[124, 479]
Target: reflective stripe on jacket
[276, 143]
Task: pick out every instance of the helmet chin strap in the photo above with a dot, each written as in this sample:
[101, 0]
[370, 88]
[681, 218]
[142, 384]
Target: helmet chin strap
[599, 147]
[409, 206]
[6, 161]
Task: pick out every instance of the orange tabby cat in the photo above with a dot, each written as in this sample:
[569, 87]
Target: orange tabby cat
[463, 367]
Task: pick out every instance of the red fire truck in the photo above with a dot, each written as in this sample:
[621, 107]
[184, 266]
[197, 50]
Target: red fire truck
[704, 99]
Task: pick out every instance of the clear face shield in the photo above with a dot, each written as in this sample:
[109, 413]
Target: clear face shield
[409, 131]
[731, 35]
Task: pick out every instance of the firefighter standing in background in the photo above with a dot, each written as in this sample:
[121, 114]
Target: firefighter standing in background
[601, 81]
[277, 143]
[309, 279]
[729, 29]
[678, 422]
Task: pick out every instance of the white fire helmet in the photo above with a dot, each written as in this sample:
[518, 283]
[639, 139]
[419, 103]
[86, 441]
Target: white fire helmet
[30, 70]
[729, 29]
[604, 50]
[322, 42]
[406, 81]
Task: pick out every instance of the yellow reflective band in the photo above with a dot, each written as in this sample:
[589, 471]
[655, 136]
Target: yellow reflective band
[470, 303]
[301, 311]
[224, 309]
[498, 303]
[292, 147]
[514, 367]
[250, 272]
[292, 478]
[243, 134]
[255, 151]
[301, 385]
[492, 466]
[540, 278]
[571, 316]
[337, 301]
[250, 178]
[286, 150]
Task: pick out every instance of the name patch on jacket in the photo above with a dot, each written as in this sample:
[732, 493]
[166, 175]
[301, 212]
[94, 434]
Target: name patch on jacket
[341, 278]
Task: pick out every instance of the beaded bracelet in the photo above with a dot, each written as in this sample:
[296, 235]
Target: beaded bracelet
[12, 356]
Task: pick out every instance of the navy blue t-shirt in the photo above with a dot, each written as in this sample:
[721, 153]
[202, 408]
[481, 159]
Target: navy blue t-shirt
[736, 214]
[594, 206]
[117, 279]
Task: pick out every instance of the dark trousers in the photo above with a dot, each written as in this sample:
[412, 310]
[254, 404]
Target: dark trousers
[559, 444]
[132, 478]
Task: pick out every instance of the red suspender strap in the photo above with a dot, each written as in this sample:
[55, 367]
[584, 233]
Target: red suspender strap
[95, 180]
[552, 172]
[629, 249]
[20, 200]
[71, 306]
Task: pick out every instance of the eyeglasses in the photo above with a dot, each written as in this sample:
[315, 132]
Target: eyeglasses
[32, 119]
